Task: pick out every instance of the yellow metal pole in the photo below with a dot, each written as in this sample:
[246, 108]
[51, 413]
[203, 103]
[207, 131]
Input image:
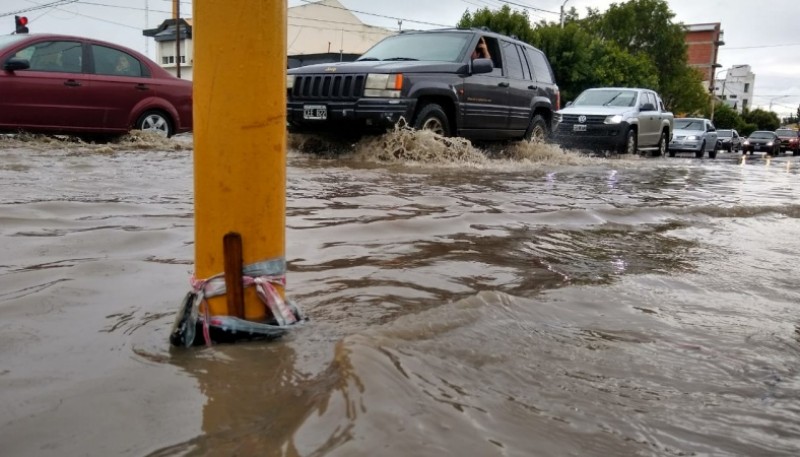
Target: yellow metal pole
[239, 135]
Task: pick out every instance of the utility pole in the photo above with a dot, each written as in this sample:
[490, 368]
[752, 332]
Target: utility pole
[176, 14]
[399, 25]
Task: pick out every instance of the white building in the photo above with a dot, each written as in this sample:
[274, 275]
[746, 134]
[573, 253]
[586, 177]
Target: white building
[319, 32]
[736, 89]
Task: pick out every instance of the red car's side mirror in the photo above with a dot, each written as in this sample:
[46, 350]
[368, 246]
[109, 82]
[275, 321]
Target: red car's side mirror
[15, 63]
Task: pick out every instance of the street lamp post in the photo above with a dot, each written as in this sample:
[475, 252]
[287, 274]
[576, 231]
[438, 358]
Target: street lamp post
[562, 13]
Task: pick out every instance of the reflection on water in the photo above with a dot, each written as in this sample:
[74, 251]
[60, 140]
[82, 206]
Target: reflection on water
[509, 299]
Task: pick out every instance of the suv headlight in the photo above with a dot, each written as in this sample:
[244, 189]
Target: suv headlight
[385, 85]
[615, 119]
[289, 82]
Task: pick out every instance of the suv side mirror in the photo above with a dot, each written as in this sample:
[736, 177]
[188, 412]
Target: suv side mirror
[481, 66]
[568, 104]
[15, 63]
[648, 107]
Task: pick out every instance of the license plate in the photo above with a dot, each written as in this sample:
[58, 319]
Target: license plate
[315, 112]
[757, 147]
[579, 128]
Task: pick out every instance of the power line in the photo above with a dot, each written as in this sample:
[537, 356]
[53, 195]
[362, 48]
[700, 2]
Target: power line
[725, 48]
[39, 7]
[376, 15]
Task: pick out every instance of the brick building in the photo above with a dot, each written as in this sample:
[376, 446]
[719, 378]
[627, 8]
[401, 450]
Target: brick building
[703, 41]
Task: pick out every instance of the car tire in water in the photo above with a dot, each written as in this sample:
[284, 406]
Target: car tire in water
[699, 154]
[537, 129]
[712, 154]
[629, 146]
[157, 122]
[662, 145]
[432, 117]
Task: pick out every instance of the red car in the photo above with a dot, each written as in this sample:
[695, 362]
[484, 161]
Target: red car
[62, 84]
[790, 140]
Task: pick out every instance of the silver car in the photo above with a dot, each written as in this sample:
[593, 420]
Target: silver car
[694, 134]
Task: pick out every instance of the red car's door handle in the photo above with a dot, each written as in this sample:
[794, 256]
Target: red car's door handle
[142, 87]
[72, 83]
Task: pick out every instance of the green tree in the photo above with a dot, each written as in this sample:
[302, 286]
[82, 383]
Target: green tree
[646, 27]
[581, 60]
[726, 117]
[505, 20]
[764, 120]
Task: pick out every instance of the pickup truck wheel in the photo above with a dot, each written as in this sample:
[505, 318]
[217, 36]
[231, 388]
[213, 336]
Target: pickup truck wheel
[432, 117]
[662, 145]
[629, 146]
[712, 154]
[537, 130]
[699, 154]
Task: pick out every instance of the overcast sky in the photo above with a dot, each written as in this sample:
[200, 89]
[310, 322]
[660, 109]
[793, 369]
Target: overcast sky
[763, 34]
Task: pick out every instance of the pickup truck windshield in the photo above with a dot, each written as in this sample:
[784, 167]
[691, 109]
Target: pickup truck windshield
[443, 47]
[688, 124]
[606, 97]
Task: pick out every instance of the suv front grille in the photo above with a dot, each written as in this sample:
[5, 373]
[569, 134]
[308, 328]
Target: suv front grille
[327, 87]
[590, 120]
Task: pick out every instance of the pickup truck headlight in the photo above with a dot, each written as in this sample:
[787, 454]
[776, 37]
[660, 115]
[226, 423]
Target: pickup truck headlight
[386, 85]
[692, 138]
[615, 119]
[289, 82]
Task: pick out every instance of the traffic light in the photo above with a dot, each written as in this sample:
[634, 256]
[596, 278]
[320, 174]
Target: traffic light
[22, 24]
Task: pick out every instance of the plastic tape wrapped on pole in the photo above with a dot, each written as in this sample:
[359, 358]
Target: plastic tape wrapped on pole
[264, 276]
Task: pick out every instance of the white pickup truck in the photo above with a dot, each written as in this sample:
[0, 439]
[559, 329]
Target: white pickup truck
[620, 119]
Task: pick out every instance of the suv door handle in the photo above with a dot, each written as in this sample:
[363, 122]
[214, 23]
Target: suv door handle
[142, 86]
[532, 87]
[72, 83]
[503, 84]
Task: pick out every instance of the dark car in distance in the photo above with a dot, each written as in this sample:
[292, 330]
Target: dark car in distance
[762, 141]
[430, 79]
[790, 140]
[729, 140]
[59, 84]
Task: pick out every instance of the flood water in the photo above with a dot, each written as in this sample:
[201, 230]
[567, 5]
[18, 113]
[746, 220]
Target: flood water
[515, 301]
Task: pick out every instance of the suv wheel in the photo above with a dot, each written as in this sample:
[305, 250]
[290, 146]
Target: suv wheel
[537, 130]
[629, 146]
[432, 117]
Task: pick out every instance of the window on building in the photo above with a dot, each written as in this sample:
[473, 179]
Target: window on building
[746, 87]
[744, 104]
[164, 60]
[183, 59]
[733, 96]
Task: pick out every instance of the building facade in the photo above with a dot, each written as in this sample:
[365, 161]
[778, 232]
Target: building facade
[703, 42]
[736, 89]
[319, 32]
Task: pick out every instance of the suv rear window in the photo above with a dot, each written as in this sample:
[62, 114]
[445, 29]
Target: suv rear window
[541, 69]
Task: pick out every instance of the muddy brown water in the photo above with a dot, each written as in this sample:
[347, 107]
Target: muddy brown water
[513, 301]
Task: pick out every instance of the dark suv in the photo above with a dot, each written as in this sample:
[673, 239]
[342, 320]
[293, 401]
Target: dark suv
[429, 79]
